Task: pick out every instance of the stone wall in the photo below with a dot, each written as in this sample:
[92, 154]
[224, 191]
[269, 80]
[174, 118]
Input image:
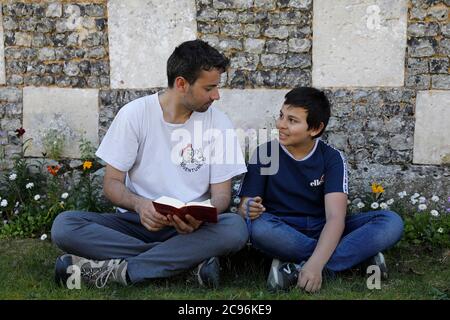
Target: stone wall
[383, 64]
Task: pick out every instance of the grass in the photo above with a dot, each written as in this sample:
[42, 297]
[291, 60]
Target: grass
[27, 273]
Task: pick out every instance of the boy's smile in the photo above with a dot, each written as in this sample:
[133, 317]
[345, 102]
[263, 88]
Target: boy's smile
[293, 130]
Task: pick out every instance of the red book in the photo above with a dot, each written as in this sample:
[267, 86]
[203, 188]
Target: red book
[202, 211]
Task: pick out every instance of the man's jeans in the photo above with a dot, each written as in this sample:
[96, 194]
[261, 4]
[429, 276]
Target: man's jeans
[293, 239]
[149, 254]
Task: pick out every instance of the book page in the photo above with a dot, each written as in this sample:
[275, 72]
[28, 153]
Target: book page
[206, 203]
[170, 201]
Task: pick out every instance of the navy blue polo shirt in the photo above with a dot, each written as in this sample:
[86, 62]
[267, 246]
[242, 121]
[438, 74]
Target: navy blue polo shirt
[298, 187]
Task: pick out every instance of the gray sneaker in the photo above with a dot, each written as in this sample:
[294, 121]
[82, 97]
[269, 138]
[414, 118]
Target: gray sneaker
[282, 275]
[378, 260]
[92, 272]
[208, 273]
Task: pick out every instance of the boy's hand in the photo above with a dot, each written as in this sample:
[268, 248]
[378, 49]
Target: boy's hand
[310, 278]
[256, 207]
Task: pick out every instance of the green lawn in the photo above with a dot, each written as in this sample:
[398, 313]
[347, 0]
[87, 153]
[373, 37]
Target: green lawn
[26, 272]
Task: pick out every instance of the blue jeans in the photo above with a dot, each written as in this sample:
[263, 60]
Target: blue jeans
[294, 239]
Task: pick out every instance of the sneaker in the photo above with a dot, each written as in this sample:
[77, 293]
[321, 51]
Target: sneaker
[282, 275]
[208, 273]
[376, 260]
[92, 272]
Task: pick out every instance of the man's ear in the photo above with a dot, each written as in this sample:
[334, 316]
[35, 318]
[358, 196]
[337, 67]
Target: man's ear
[181, 84]
[315, 132]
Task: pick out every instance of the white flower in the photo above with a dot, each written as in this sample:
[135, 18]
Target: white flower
[43, 237]
[16, 212]
[37, 197]
[402, 194]
[360, 205]
[440, 230]
[13, 177]
[17, 204]
[5, 222]
[390, 202]
[422, 200]
[29, 185]
[435, 198]
[374, 205]
[64, 195]
[415, 195]
[434, 213]
[4, 203]
[422, 207]
[414, 201]
[383, 206]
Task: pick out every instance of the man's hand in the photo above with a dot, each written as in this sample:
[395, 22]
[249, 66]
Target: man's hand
[184, 226]
[256, 207]
[150, 218]
[310, 278]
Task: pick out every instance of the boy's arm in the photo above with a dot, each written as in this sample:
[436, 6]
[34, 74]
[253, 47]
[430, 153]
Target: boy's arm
[335, 209]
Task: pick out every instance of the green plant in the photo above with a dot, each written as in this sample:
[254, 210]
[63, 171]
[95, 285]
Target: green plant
[426, 221]
[33, 194]
[53, 143]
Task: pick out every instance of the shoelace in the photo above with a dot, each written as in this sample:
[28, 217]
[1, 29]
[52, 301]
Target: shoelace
[100, 275]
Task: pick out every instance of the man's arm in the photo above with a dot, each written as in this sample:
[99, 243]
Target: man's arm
[335, 210]
[221, 195]
[115, 190]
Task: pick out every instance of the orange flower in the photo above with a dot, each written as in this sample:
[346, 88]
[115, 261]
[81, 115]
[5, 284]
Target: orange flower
[53, 169]
[87, 165]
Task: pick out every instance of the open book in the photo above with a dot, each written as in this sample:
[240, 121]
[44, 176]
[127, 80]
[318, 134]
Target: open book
[203, 211]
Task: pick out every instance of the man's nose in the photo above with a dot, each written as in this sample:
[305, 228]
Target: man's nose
[215, 95]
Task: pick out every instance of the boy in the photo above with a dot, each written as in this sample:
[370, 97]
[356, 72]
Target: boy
[297, 216]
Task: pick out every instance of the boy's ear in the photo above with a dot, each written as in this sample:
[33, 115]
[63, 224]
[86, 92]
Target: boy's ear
[315, 132]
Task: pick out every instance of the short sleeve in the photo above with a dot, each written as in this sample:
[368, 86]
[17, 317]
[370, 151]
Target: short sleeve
[120, 145]
[254, 183]
[336, 178]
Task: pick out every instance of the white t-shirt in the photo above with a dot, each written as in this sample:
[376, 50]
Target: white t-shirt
[174, 160]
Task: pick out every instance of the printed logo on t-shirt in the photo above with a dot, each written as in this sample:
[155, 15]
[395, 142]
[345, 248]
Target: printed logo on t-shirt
[192, 159]
[317, 182]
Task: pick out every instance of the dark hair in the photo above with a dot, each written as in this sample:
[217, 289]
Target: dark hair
[314, 102]
[190, 58]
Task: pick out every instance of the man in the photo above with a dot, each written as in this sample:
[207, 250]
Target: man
[298, 214]
[146, 160]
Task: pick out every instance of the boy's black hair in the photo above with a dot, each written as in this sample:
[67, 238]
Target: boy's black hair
[190, 58]
[314, 102]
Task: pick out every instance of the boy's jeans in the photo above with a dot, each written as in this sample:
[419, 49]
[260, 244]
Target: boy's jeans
[293, 239]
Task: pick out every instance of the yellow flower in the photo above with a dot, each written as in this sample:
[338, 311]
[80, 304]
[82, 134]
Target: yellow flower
[87, 165]
[377, 188]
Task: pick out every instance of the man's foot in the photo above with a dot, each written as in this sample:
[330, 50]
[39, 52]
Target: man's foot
[92, 272]
[379, 261]
[282, 275]
[208, 273]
